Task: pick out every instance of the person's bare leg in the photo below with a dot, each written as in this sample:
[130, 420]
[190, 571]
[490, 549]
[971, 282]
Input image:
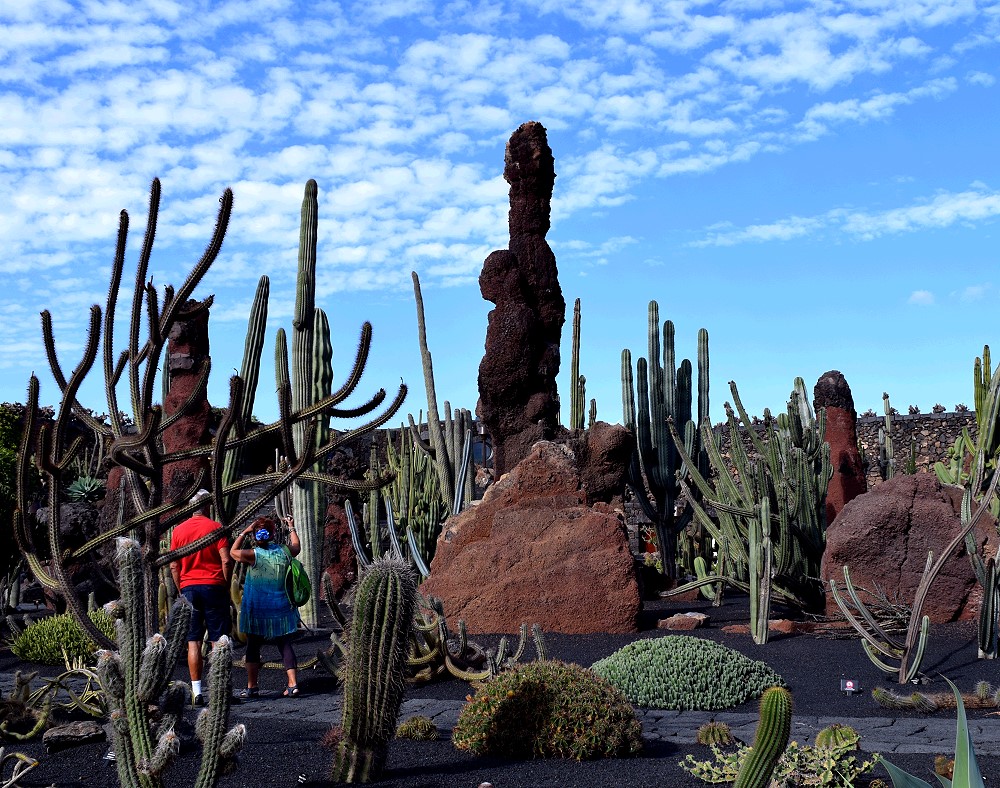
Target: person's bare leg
[194, 659]
[292, 682]
[253, 669]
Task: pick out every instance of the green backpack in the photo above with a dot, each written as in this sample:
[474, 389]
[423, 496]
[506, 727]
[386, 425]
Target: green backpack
[296, 581]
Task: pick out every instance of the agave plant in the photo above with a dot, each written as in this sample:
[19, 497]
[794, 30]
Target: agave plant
[85, 488]
[966, 772]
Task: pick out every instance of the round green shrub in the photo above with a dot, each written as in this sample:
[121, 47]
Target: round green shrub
[548, 709]
[682, 672]
[43, 641]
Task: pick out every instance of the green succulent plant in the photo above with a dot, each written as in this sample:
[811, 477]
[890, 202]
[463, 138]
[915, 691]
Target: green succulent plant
[548, 709]
[717, 733]
[683, 672]
[45, 640]
[418, 728]
[85, 489]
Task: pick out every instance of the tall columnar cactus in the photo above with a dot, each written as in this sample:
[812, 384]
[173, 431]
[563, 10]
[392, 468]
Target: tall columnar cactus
[137, 675]
[771, 510]
[448, 444]
[374, 671]
[577, 382]
[414, 496]
[886, 452]
[770, 741]
[657, 468]
[250, 373]
[971, 465]
[141, 454]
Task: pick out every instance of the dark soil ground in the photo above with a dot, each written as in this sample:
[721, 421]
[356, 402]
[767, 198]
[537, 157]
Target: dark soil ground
[286, 751]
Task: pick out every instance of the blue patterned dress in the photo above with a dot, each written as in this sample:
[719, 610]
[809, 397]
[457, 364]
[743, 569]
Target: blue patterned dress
[266, 611]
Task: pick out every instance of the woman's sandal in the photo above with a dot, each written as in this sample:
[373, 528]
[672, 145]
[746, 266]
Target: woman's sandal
[249, 693]
[291, 692]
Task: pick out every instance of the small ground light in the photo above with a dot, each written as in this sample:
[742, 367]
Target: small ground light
[849, 686]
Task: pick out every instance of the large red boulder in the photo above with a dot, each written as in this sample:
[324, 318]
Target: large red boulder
[883, 536]
[535, 551]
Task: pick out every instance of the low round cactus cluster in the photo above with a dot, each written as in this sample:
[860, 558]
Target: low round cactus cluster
[548, 709]
[682, 672]
[417, 728]
[44, 641]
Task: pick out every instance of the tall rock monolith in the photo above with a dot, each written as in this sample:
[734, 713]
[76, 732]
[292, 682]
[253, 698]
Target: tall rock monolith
[848, 481]
[187, 358]
[518, 400]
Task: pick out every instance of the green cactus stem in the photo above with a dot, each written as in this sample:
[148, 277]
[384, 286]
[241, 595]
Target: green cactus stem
[374, 669]
[770, 740]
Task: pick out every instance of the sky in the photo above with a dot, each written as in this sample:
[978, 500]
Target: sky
[815, 183]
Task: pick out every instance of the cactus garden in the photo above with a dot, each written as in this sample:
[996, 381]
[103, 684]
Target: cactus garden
[483, 609]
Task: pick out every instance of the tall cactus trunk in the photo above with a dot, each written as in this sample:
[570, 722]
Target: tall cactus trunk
[374, 676]
[303, 328]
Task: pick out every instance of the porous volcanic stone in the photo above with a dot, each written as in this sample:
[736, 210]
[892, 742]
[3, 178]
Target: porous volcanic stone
[533, 551]
[518, 400]
[848, 481]
[884, 535]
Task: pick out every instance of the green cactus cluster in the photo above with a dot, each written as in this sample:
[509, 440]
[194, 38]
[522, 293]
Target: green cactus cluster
[714, 733]
[548, 709]
[418, 728]
[683, 672]
[374, 668]
[54, 639]
[138, 675]
[837, 736]
[662, 393]
[769, 504]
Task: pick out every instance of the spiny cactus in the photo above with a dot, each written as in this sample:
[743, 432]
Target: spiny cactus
[657, 467]
[138, 674]
[448, 444]
[374, 669]
[770, 741]
[717, 733]
[837, 737]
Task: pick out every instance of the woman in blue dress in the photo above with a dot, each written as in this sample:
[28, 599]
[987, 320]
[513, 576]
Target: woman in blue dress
[266, 614]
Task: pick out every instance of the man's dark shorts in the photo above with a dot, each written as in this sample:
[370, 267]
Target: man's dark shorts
[211, 611]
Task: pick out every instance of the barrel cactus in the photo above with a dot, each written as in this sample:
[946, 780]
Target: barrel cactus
[548, 709]
[683, 672]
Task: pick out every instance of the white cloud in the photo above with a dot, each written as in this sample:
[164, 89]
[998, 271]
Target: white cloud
[921, 298]
[980, 78]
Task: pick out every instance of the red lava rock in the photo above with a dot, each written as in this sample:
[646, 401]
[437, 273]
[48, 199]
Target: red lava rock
[683, 622]
[518, 400]
[534, 551]
[884, 535]
[848, 481]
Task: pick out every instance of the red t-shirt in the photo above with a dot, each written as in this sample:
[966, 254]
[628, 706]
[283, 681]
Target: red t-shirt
[203, 568]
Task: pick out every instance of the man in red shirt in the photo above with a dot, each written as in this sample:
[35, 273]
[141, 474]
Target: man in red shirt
[203, 578]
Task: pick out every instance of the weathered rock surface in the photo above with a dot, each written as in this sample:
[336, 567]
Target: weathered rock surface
[72, 734]
[683, 622]
[884, 535]
[848, 481]
[603, 452]
[518, 399]
[535, 551]
[187, 355]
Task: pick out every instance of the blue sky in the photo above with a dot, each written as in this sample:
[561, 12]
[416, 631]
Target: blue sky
[815, 183]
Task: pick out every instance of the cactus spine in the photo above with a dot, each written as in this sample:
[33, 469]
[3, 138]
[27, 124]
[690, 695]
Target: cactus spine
[770, 741]
[375, 668]
[665, 394]
[137, 675]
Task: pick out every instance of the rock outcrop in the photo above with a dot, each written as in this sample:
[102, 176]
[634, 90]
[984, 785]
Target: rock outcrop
[187, 355]
[884, 535]
[848, 481]
[536, 550]
[518, 400]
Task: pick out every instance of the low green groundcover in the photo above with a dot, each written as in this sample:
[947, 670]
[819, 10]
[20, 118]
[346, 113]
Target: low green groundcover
[683, 672]
[43, 641]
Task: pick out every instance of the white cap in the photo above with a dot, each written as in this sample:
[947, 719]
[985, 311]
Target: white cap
[200, 496]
